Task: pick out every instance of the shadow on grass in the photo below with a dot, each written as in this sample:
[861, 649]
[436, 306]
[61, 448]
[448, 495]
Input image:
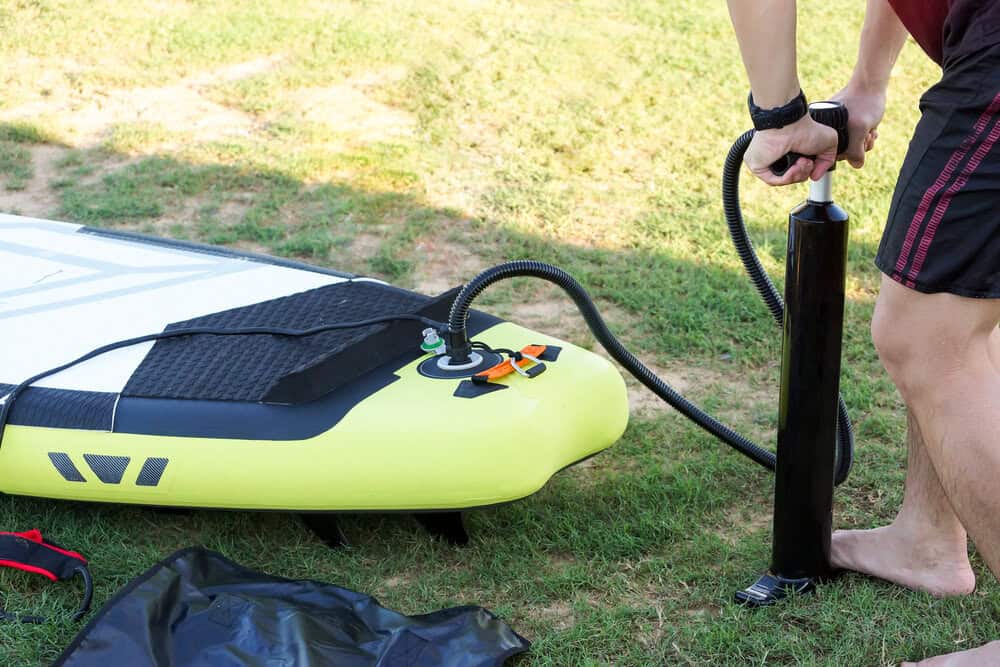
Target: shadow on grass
[661, 502]
[677, 307]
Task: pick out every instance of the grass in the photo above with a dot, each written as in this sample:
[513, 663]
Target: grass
[589, 134]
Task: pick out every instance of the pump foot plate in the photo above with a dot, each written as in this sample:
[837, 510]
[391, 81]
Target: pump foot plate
[771, 589]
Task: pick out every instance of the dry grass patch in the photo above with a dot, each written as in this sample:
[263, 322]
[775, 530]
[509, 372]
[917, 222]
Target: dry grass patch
[442, 263]
[557, 615]
[743, 520]
[349, 109]
[147, 116]
[168, 118]
[364, 246]
[37, 198]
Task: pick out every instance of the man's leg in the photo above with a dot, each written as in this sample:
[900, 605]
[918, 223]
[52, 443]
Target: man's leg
[940, 350]
[988, 654]
[924, 548]
[937, 348]
[995, 349]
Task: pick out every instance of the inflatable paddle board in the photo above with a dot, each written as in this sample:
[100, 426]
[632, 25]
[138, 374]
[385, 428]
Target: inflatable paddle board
[347, 420]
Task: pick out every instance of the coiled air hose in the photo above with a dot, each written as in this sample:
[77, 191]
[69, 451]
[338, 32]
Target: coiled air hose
[459, 346]
[768, 292]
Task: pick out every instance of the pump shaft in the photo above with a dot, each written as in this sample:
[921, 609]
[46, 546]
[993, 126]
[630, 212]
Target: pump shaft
[810, 382]
[815, 273]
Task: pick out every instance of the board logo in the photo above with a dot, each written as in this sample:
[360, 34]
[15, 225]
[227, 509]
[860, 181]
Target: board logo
[109, 469]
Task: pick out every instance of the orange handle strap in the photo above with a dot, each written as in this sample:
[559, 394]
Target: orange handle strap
[505, 367]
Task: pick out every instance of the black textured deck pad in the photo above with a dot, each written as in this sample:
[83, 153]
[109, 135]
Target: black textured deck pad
[258, 368]
[62, 408]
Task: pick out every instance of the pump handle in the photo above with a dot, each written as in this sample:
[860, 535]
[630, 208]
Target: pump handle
[831, 114]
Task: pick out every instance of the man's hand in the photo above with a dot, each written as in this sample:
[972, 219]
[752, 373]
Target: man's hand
[804, 136]
[865, 109]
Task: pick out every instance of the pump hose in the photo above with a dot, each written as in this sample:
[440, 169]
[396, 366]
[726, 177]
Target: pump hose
[458, 321]
[460, 311]
[768, 292]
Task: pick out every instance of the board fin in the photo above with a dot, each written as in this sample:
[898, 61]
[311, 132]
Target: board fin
[448, 526]
[326, 528]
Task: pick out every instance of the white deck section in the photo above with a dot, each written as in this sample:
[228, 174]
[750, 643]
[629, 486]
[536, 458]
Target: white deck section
[64, 293]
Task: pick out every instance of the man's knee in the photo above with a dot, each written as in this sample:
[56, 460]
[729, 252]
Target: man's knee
[924, 340]
[900, 347]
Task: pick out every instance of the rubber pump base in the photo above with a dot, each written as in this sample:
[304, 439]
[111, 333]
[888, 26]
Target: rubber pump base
[771, 589]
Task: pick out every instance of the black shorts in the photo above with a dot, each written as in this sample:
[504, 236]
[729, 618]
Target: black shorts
[943, 233]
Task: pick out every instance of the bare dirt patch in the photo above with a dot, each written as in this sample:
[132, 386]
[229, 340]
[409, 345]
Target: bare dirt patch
[250, 246]
[37, 199]
[180, 216]
[236, 71]
[561, 561]
[550, 312]
[443, 264]
[743, 400]
[364, 246]
[178, 109]
[544, 307]
[644, 403]
[123, 125]
[348, 108]
[749, 407]
[558, 614]
[742, 521]
[87, 119]
[397, 581]
[233, 209]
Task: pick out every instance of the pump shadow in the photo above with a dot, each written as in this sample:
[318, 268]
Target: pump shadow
[664, 303]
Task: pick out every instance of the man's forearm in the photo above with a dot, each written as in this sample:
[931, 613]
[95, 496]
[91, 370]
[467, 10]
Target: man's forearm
[882, 38]
[765, 30]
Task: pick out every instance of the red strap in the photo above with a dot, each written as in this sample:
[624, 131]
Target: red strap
[29, 568]
[29, 552]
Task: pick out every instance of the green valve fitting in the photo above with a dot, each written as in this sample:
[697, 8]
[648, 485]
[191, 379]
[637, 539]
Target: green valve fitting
[433, 344]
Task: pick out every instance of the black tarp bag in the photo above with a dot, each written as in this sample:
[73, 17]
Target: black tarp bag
[198, 608]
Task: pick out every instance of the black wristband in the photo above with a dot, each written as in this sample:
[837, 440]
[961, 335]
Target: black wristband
[772, 119]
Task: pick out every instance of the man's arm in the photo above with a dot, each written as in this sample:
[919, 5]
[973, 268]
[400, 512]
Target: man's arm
[765, 30]
[882, 38]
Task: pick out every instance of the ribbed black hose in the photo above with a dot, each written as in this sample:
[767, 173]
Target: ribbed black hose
[458, 319]
[459, 315]
[738, 231]
[766, 289]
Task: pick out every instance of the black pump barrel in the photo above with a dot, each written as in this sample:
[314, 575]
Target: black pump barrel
[810, 383]
[815, 274]
[807, 414]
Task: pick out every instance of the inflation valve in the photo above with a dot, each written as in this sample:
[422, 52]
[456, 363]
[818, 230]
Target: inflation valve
[432, 342]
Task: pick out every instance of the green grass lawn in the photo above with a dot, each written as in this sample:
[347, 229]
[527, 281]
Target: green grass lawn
[420, 142]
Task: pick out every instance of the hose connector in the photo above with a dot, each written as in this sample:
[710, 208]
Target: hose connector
[457, 345]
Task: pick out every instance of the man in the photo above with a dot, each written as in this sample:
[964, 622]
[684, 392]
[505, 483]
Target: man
[935, 322]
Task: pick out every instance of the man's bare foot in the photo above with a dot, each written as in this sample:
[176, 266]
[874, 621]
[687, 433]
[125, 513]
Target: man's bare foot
[936, 566]
[988, 654]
